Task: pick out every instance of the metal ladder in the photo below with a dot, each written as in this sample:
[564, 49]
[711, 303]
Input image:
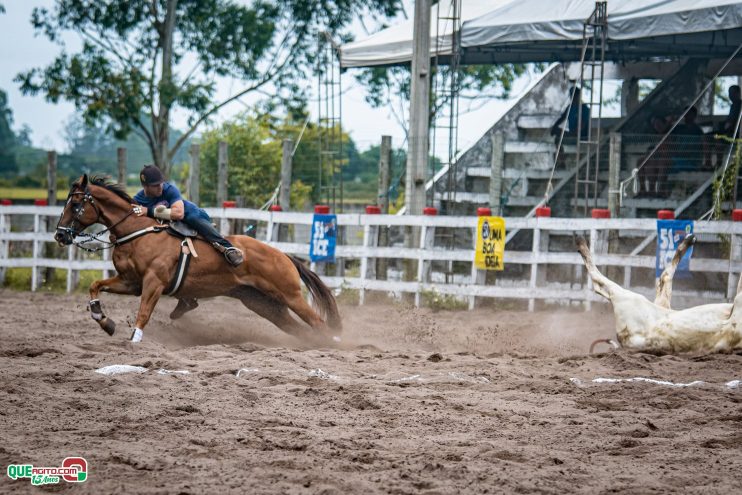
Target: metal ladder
[329, 120]
[594, 32]
[446, 86]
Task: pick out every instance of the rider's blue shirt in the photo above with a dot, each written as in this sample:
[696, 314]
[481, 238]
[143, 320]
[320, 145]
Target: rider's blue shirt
[170, 195]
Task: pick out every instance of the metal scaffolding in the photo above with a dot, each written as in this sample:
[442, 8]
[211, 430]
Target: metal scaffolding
[594, 35]
[446, 88]
[329, 120]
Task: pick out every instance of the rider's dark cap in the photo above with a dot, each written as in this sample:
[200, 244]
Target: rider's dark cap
[151, 176]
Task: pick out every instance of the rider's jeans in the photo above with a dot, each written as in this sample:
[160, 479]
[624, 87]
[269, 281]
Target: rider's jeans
[201, 221]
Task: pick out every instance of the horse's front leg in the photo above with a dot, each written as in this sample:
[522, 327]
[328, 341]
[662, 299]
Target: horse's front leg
[151, 292]
[116, 285]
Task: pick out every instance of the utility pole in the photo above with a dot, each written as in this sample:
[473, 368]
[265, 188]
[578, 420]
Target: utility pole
[417, 148]
[417, 155]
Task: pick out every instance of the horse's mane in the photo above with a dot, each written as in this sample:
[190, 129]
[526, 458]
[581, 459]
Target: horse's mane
[105, 182]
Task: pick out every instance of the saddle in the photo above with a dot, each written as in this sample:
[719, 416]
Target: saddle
[184, 232]
[181, 230]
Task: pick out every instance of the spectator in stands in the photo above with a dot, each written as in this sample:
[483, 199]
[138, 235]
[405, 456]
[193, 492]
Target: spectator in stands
[687, 144]
[572, 117]
[653, 174]
[718, 147]
[728, 126]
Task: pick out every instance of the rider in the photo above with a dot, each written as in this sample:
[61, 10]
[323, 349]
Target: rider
[163, 201]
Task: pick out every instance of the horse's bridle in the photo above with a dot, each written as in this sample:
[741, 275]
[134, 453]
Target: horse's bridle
[75, 228]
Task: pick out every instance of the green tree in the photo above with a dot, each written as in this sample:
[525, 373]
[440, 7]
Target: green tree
[92, 149]
[8, 164]
[152, 57]
[254, 161]
[306, 159]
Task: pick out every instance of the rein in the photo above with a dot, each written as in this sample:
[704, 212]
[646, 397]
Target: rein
[88, 198]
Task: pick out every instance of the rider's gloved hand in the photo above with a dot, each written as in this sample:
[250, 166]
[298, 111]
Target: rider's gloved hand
[162, 212]
[139, 210]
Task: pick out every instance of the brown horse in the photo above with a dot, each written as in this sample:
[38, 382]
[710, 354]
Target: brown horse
[268, 282]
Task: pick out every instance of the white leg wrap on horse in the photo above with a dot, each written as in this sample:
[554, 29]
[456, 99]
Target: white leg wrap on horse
[137, 334]
[95, 310]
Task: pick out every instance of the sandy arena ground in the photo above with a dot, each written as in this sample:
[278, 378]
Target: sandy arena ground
[414, 402]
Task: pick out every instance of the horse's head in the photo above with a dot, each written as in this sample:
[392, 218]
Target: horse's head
[79, 212]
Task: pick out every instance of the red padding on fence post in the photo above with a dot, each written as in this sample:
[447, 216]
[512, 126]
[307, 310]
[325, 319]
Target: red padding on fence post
[543, 211]
[484, 211]
[430, 211]
[373, 210]
[40, 202]
[665, 215]
[322, 209]
[6, 202]
[229, 204]
[737, 215]
[275, 208]
[600, 213]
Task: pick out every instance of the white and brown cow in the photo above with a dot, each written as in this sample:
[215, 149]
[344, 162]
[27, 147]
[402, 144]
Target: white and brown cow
[653, 326]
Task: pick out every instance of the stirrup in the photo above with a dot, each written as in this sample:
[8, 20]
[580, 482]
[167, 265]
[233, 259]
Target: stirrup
[234, 256]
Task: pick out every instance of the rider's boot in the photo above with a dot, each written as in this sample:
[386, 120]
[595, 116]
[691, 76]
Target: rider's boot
[232, 254]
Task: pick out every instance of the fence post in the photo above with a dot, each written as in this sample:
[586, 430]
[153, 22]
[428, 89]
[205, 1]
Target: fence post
[478, 277]
[385, 159]
[121, 161]
[274, 228]
[540, 244]
[51, 200]
[370, 238]
[36, 253]
[4, 244]
[284, 196]
[194, 174]
[598, 244]
[498, 158]
[221, 184]
[427, 241]
[614, 174]
[735, 254]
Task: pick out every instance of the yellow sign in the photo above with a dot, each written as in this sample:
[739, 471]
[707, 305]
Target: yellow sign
[490, 246]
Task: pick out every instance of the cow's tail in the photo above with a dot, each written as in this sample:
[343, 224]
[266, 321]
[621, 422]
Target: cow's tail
[321, 294]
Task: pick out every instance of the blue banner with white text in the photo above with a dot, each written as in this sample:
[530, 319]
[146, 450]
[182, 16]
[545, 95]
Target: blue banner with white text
[670, 233]
[324, 238]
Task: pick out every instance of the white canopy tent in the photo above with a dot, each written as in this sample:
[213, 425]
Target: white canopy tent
[505, 31]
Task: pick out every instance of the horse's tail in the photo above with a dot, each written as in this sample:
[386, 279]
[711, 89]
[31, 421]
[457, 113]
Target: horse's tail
[321, 294]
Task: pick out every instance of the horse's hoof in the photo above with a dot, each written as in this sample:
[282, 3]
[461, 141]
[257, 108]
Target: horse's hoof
[184, 306]
[137, 335]
[108, 325]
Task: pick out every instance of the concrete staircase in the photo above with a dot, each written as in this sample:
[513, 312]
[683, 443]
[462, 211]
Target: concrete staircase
[519, 151]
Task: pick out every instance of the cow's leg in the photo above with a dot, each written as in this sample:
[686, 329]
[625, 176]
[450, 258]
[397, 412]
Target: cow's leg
[115, 285]
[663, 293]
[601, 284]
[736, 314]
[151, 292]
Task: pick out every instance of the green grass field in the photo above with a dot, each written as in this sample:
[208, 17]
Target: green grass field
[20, 279]
[29, 194]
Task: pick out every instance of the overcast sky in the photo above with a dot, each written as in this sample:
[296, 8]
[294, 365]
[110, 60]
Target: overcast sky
[20, 50]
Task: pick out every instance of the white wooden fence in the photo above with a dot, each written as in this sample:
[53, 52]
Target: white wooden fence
[532, 286]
